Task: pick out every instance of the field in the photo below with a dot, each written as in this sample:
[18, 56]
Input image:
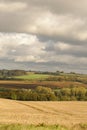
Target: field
[33, 84]
[52, 115]
[33, 77]
[32, 80]
[49, 113]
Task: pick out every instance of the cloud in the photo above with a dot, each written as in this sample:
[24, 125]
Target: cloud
[26, 51]
[43, 34]
[12, 7]
[21, 47]
[56, 25]
[28, 48]
[50, 18]
[62, 46]
[62, 7]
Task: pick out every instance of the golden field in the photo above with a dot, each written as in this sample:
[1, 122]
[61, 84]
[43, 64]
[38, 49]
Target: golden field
[50, 113]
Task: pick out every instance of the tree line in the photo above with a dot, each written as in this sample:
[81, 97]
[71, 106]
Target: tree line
[45, 94]
[10, 73]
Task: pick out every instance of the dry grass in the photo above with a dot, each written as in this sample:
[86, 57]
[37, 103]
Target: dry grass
[50, 113]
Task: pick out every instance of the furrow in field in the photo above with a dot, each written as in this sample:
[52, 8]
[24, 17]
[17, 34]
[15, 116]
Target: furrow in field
[37, 108]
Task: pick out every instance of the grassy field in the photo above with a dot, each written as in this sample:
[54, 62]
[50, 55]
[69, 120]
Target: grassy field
[33, 77]
[52, 77]
[66, 114]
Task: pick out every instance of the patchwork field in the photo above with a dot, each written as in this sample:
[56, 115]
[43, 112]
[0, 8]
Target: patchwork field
[49, 113]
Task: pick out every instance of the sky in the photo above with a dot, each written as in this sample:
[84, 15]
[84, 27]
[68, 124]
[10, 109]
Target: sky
[47, 35]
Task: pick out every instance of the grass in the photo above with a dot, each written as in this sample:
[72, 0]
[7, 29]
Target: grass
[31, 127]
[41, 127]
[33, 77]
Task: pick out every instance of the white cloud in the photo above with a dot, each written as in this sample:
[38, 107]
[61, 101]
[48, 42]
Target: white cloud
[21, 47]
[12, 7]
[50, 24]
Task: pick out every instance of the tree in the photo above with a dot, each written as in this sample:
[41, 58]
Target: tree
[44, 90]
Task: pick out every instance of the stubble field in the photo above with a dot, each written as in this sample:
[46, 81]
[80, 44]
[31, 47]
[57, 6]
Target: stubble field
[48, 113]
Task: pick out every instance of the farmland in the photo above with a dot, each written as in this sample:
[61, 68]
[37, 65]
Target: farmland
[44, 87]
[48, 113]
[33, 84]
[32, 80]
[32, 77]
[53, 115]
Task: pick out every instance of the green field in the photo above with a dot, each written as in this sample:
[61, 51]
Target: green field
[33, 77]
[52, 77]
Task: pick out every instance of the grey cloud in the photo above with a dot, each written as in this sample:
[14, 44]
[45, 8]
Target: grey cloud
[37, 18]
[26, 48]
[77, 7]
